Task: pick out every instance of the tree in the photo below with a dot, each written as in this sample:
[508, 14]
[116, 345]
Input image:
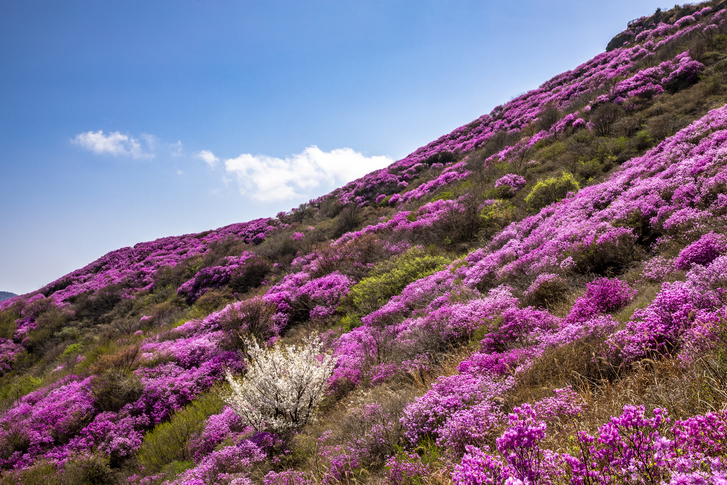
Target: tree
[283, 385]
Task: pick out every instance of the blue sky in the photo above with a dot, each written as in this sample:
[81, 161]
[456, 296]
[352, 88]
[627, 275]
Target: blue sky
[124, 121]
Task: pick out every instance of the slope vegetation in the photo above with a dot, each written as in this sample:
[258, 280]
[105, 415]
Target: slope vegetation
[536, 297]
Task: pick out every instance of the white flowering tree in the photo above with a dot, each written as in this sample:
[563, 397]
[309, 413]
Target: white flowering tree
[283, 385]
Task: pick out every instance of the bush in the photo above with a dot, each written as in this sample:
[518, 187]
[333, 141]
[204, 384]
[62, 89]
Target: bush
[547, 118]
[7, 323]
[604, 117]
[608, 253]
[250, 275]
[348, 220]
[390, 277]
[590, 169]
[213, 300]
[114, 389]
[702, 252]
[498, 214]
[167, 442]
[94, 307]
[84, 469]
[283, 385]
[547, 289]
[551, 190]
[247, 318]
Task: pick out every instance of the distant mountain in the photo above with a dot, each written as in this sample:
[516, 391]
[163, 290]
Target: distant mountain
[5, 295]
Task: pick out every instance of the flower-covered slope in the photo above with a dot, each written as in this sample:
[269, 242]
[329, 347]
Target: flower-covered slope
[537, 297]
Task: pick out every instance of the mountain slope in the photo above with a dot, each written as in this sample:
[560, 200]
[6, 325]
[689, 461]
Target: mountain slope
[561, 260]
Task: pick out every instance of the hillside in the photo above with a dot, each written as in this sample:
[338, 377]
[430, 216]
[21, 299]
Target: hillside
[536, 297]
[4, 295]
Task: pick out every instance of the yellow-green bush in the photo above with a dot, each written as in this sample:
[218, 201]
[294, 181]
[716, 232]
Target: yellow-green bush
[390, 277]
[498, 214]
[83, 469]
[551, 190]
[167, 442]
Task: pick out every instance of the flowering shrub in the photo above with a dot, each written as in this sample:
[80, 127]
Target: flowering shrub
[677, 308]
[603, 295]
[429, 414]
[228, 465]
[703, 251]
[405, 469]
[512, 181]
[448, 175]
[628, 448]
[282, 387]
[287, 477]
[299, 297]
[42, 420]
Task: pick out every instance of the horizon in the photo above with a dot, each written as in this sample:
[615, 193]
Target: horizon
[130, 121]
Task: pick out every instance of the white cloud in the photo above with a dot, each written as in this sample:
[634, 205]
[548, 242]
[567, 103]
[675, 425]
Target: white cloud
[176, 149]
[208, 157]
[114, 143]
[150, 140]
[269, 179]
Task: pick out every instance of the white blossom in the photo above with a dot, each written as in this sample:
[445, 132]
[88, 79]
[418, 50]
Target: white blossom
[283, 385]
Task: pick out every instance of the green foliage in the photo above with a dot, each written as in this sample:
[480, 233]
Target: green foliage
[7, 323]
[48, 323]
[19, 386]
[72, 349]
[390, 277]
[349, 322]
[553, 151]
[444, 195]
[85, 469]
[551, 190]
[213, 300]
[643, 140]
[250, 276]
[116, 388]
[167, 442]
[590, 169]
[498, 214]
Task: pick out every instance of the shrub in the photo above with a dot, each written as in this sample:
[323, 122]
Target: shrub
[590, 169]
[511, 182]
[604, 117]
[250, 275]
[390, 277]
[168, 441]
[94, 307]
[602, 296]
[548, 288]
[212, 300]
[80, 469]
[498, 214]
[116, 388]
[348, 220]
[547, 118]
[606, 253]
[551, 190]
[251, 317]
[283, 385]
[704, 251]
[7, 323]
